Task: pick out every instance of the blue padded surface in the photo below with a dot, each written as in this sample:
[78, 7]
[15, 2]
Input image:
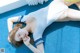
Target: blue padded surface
[62, 37]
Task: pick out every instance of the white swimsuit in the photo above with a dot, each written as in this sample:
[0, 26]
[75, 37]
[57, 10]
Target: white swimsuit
[45, 17]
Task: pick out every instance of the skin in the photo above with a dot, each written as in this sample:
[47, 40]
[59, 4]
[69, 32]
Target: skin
[31, 23]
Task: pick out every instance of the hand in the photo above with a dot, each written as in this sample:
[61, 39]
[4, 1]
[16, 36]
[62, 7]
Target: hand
[26, 40]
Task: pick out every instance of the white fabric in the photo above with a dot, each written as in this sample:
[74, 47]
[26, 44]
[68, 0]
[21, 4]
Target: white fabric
[35, 2]
[45, 17]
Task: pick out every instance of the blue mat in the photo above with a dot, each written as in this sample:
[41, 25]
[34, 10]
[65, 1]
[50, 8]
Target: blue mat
[62, 37]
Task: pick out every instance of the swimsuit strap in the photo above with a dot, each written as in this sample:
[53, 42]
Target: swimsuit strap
[21, 18]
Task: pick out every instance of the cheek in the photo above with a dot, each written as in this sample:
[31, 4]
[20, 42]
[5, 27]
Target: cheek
[17, 38]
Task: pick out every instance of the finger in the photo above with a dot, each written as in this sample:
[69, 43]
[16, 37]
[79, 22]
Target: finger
[28, 38]
[25, 39]
[24, 36]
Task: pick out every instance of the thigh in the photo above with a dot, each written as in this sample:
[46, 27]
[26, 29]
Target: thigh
[73, 14]
[63, 17]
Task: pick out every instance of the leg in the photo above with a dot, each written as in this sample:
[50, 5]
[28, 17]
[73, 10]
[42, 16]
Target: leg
[70, 15]
[73, 15]
[63, 17]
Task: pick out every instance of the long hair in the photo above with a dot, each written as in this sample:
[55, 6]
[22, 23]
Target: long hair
[12, 36]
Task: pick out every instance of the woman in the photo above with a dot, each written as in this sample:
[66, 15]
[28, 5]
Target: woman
[37, 21]
[18, 40]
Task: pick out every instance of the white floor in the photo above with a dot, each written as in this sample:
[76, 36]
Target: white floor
[6, 2]
[7, 5]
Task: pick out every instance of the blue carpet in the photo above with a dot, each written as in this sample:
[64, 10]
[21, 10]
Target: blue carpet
[62, 37]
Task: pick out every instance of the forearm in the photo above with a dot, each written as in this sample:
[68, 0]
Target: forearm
[41, 47]
[32, 48]
[10, 24]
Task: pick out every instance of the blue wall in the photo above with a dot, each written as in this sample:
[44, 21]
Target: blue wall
[62, 37]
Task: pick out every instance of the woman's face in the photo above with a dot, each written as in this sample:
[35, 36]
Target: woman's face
[17, 38]
[20, 35]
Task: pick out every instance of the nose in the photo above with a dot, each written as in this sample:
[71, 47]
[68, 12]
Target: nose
[20, 38]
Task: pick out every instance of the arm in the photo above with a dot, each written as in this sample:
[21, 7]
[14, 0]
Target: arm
[10, 22]
[40, 47]
[31, 47]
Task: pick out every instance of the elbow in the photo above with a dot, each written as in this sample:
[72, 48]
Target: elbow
[9, 20]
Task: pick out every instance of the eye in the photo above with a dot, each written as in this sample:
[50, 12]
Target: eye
[19, 36]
